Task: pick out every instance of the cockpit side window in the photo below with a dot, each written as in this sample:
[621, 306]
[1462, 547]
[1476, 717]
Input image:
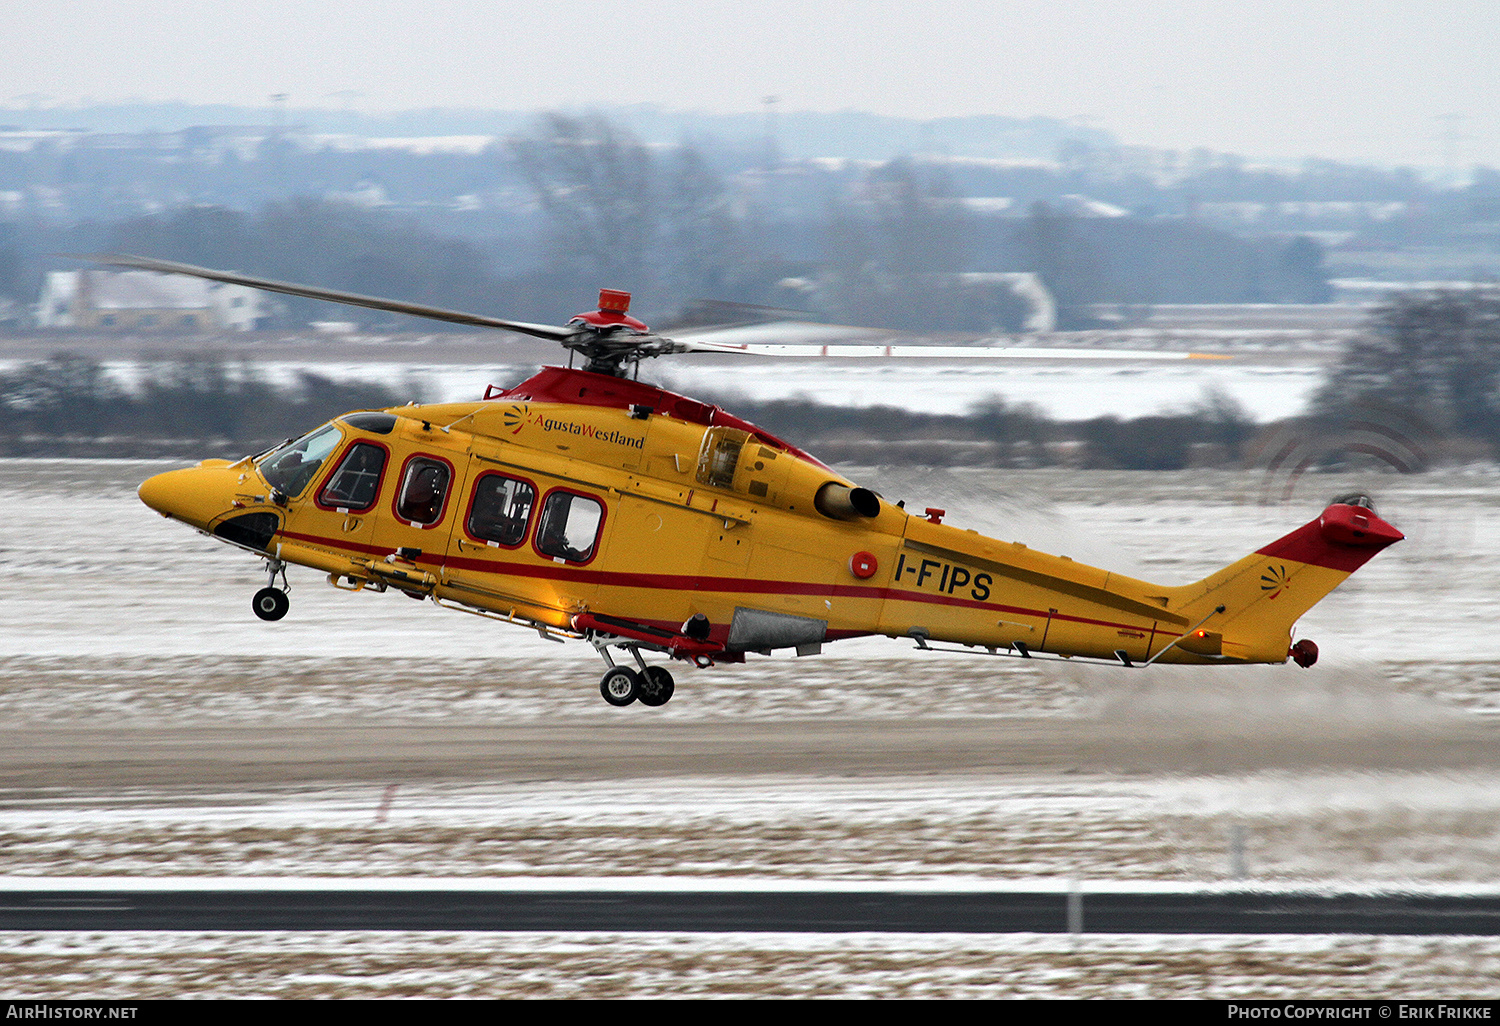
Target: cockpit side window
[292, 466]
[424, 490]
[501, 510]
[569, 526]
[356, 482]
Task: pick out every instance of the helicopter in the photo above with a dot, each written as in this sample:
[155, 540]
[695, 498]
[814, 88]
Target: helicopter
[586, 504]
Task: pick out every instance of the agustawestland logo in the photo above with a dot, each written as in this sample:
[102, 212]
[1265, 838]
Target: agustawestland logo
[519, 416]
[1273, 580]
[515, 417]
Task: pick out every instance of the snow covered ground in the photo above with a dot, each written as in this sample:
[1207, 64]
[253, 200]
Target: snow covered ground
[1316, 828]
[125, 966]
[114, 620]
[1267, 388]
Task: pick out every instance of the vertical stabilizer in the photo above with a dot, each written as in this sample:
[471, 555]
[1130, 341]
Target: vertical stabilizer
[1264, 593]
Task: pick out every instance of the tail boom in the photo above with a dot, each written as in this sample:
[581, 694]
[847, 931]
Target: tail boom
[959, 587]
[1264, 594]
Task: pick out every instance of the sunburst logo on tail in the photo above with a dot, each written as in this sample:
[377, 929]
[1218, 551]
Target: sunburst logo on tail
[1273, 580]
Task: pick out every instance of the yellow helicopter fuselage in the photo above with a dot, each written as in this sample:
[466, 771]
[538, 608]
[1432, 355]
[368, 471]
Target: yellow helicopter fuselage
[592, 506]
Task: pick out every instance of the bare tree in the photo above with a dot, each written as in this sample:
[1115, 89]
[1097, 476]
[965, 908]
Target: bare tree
[893, 255]
[596, 184]
[919, 220]
[1053, 246]
[1437, 353]
[705, 247]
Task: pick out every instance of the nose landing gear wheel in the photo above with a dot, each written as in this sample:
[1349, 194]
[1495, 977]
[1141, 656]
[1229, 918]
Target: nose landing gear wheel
[656, 686]
[270, 604]
[620, 685]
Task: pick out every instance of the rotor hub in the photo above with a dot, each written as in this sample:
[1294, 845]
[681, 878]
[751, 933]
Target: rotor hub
[608, 338]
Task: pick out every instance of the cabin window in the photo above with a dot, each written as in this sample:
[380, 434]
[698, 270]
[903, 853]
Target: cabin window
[569, 527]
[294, 464]
[501, 510]
[424, 489]
[357, 480]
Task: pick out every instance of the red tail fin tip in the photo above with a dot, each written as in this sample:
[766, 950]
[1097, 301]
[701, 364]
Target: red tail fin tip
[1343, 538]
[1356, 525]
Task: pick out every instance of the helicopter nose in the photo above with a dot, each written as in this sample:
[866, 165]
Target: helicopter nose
[195, 496]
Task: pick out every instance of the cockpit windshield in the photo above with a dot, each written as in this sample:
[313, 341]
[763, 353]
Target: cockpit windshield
[290, 467]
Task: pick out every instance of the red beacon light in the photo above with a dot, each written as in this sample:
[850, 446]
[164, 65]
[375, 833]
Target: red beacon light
[614, 301]
[613, 304]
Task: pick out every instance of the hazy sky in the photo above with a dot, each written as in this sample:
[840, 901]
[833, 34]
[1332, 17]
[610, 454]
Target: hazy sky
[1375, 80]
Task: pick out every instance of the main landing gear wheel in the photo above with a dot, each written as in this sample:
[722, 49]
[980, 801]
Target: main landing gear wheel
[270, 603]
[656, 686]
[620, 685]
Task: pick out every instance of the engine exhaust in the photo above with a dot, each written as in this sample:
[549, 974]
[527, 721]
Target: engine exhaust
[840, 502]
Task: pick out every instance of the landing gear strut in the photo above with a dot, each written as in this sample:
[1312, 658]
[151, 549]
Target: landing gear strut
[621, 685]
[271, 603]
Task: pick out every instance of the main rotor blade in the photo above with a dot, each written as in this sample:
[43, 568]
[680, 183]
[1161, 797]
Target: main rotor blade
[842, 341]
[793, 332]
[805, 351]
[141, 263]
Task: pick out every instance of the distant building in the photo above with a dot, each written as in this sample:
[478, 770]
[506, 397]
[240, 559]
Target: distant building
[145, 301]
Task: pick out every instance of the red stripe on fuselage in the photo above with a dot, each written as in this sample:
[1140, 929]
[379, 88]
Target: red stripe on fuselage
[691, 582]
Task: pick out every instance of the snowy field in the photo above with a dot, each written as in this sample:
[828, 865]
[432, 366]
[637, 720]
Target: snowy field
[1267, 387]
[123, 633]
[652, 965]
[1268, 390]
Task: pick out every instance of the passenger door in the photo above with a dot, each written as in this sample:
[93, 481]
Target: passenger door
[491, 527]
[412, 531]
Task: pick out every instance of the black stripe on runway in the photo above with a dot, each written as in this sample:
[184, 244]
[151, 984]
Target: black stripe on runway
[751, 911]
